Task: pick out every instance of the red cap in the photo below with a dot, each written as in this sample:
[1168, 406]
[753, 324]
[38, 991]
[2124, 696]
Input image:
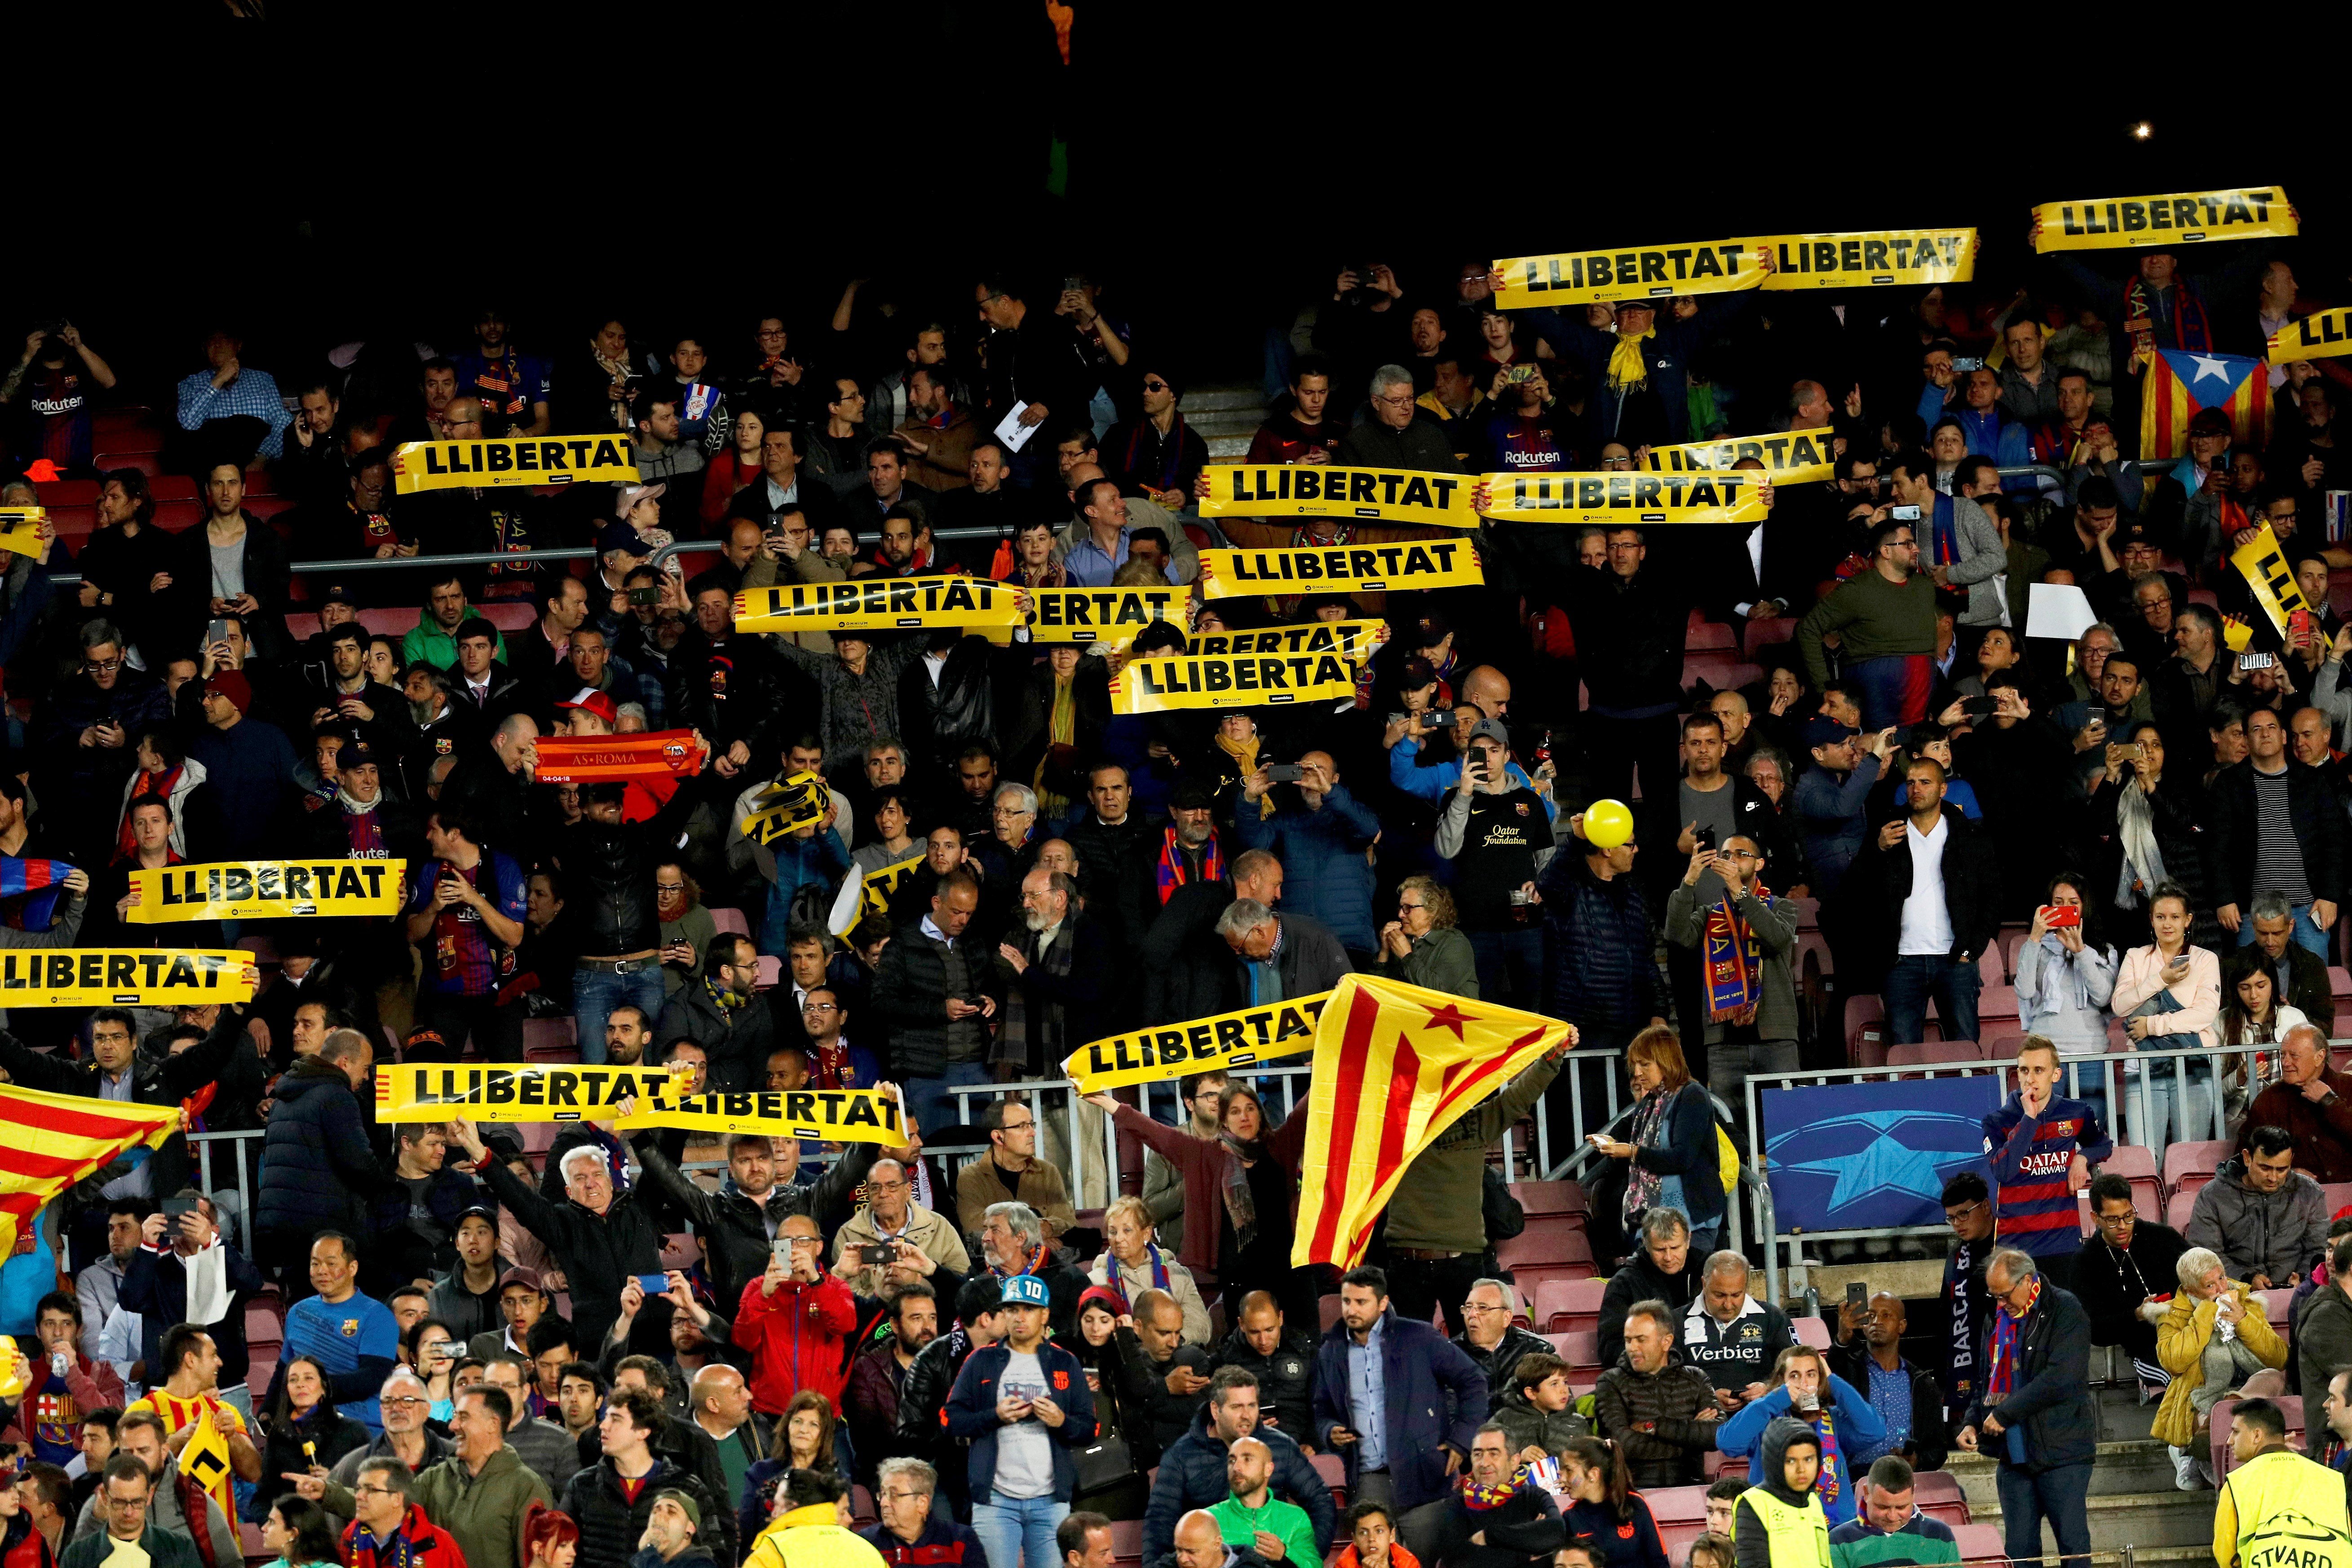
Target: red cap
[597, 702]
[233, 684]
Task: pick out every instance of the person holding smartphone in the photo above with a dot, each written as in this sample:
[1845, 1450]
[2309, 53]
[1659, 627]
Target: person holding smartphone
[1491, 829]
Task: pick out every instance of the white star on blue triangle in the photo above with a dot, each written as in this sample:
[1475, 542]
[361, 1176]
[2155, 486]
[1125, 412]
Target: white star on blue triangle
[1885, 1164]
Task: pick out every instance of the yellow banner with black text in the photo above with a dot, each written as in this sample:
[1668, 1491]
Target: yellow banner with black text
[2269, 577]
[20, 529]
[1793, 457]
[1313, 489]
[2153, 223]
[512, 460]
[1231, 680]
[266, 890]
[1625, 500]
[124, 977]
[881, 604]
[1352, 640]
[810, 1115]
[2323, 334]
[1224, 1040]
[1339, 568]
[1103, 615]
[418, 1091]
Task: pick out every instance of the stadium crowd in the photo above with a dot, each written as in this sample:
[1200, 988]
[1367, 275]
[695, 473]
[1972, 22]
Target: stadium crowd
[1849, 765]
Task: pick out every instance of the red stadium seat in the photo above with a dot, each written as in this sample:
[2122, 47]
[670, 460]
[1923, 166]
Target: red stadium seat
[1939, 1496]
[174, 487]
[1703, 636]
[1931, 1053]
[550, 1040]
[729, 919]
[1551, 1247]
[1811, 1331]
[73, 523]
[1581, 1351]
[174, 515]
[1568, 1306]
[148, 462]
[1982, 1544]
[2190, 1165]
[2176, 1208]
[1334, 1471]
[69, 492]
[509, 617]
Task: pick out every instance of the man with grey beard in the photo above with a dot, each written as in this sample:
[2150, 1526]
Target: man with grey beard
[1065, 971]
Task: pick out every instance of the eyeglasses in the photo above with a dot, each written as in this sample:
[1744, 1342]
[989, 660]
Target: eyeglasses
[669, 887]
[374, 1491]
[1155, 386]
[2118, 1220]
[1953, 1217]
[887, 1186]
[398, 1400]
[101, 665]
[1402, 905]
[1401, 400]
[1902, 544]
[820, 1007]
[1020, 1126]
[1616, 462]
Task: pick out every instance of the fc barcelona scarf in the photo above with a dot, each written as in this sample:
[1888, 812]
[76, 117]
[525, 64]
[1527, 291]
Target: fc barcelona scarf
[1734, 962]
[2191, 331]
[39, 883]
[1170, 871]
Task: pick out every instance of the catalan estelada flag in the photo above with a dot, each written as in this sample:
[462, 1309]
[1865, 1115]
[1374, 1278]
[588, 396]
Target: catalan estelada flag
[1394, 1067]
[2182, 380]
[49, 1142]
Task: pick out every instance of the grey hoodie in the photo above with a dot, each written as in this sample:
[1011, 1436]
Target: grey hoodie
[2279, 1234]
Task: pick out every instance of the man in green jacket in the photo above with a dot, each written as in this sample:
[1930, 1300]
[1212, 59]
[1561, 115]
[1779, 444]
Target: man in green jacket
[433, 639]
[1255, 1520]
[1884, 619]
[1437, 1221]
[123, 1494]
[480, 1493]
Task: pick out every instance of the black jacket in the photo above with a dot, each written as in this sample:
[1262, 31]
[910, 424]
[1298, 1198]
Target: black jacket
[2231, 834]
[608, 875]
[594, 1251]
[938, 719]
[922, 1431]
[610, 1523]
[1629, 633]
[733, 691]
[1186, 966]
[164, 1081]
[2051, 1395]
[910, 994]
[734, 1228]
[1115, 868]
[737, 1044]
[317, 1171]
[266, 578]
[1971, 887]
[1156, 1418]
[1286, 1376]
[138, 702]
[1192, 1475]
[1497, 1363]
[1640, 1281]
[1526, 1529]
[1931, 1439]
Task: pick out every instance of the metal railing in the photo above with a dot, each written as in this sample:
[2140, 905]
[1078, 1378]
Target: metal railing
[2136, 1084]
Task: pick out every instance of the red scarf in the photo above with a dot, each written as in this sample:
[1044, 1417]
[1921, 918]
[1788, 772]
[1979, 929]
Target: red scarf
[2188, 321]
[145, 786]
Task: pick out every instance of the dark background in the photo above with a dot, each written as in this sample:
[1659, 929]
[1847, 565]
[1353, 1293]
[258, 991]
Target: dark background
[337, 174]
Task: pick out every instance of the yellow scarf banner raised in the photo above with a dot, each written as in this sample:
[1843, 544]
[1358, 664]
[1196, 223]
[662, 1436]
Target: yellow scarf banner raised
[2152, 223]
[1797, 457]
[812, 1115]
[266, 890]
[1103, 615]
[1351, 640]
[1322, 489]
[513, 460]
[2269, 577]
[1872, 260]
[20, 529]
[2323, 334]
[1223, 1040]
[423, 1091]
[873, 896]
[1339, 568]
[124, 977]
[1395, 1066]
[1644, 272]
[782, 809]
[1230, 680]
[881, 604]
[1625, 500]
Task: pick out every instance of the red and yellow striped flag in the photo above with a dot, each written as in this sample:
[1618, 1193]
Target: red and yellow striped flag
[49, 1142]
[1395, 1066]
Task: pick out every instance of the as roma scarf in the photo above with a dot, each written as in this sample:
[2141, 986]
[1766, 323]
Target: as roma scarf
[666, 754]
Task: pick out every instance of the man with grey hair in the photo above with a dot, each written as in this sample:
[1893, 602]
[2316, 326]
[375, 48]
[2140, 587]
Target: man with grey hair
[1731, 1336]
[1490, 1337]
[1280, 956]
[1392, 438]
[1661, 1270]
[923, 1244]
[909, 1530]
[2298, 975]
[2311, 1100]
[1012, 1241]
[2035, 1409]
[405, 1402]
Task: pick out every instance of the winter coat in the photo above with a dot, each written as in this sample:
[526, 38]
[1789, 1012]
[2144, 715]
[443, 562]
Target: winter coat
[2277, 1235]
[1600, 962]
[1498, 1363]
[1525, 1426]
[2190, 1326]
[588, 1247]
[483, 1512]
[1192, 1475]
[2050, 1394]
[1857, 1425]
[1774, 926]
[910, 990]
[734, 1227]
[1641, 1279]
[1285, 1377]
[1322, 854]
[1669, 1399]
[2231, 836]
[796, 1338]
[1441, 961]
[610, 1525]
[317, 1170]
[1436, 1398]
[972, 1414]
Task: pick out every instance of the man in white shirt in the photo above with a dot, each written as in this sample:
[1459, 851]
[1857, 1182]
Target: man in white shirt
[1939, 880]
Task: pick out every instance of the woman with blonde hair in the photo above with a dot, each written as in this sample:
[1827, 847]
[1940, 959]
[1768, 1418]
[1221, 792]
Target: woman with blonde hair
[2212, 1337]
[1672, 1160]
[1423, 946]
[1132, 1263]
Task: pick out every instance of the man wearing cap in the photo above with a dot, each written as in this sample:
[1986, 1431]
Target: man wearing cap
[1191, 850]
[522, 1301]
[1156, 455]
[1023, 1407]
[1830, 795]
[249, 765]
[669, 1533]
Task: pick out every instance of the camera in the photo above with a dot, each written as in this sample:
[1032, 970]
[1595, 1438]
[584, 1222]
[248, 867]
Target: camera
[651, 595]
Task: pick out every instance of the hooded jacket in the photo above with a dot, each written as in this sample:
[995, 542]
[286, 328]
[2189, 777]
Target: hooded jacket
[1752, 1538]
[2276, 1234]
[1856, 1425]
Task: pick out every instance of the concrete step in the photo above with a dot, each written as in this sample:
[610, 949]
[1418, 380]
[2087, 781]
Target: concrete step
[1198, 400]
[1232, 448]
[2139, 1521]
[2127, 1467]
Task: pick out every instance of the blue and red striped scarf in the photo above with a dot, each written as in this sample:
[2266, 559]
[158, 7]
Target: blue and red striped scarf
[1172, 871]
[1733, 959]
[39, 883]
[1159, 1276]
[2190, 326]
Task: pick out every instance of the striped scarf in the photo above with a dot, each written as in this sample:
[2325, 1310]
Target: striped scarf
[1113, 1284]
[1733, 961]
[2190, 328]
[1486, 1500]
[1172, 871]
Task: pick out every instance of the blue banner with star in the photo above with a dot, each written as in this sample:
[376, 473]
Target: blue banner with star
[1866, 1156]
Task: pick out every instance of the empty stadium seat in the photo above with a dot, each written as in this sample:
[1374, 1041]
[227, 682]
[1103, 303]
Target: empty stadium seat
[1865, 1030]
[1720, 1465]
[1334, 1471]
[2011, 939]
[512, 615]
[2190, 1165]
[2134, 1165]
[2278, 1309]
[1981, 1543]
[1703, 636]
[771, 969]
[148, 462]
[1327, 1310]
[69, 492]
[862, 1513]
[2175, 1210]
[172, 516]
[1581, 1351]
[175, 487]
[1813, 1331]
[1550, 1248]
[1760, 633]
[1939, 1496]
[727, 920]
[1566, 1306]
[550, 1039]
[1126, 1542]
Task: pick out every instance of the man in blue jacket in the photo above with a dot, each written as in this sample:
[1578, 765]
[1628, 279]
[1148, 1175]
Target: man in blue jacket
[1320, 834]
[1837, 1412]
[2034, 1407]
[1023, 1406]
[1399, 1404]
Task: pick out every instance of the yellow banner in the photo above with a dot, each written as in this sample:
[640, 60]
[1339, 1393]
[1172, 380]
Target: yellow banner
[20, 529]
[512, 460]
[206, 1455]
[1339, 568]
[879, 604]
[1351, 640]
[1626, 500]
[1795, 457]
[1231, 680]
[420, 1091]
[123, 977]
[2269, 577]
[1103, 615]
[266, 890]
[2152, 223]
[1873, 259]
[1312, 489]
[874, 891]
[1234, 1039]
[780, 810]
[810, 1115]
[1656, 272]
[2323, 334]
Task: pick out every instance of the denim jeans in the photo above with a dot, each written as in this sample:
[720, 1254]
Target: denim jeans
[1018, 1533]
[2057, 1494]
[2307, 935]
[596, 991]
[2181, 1088]
[1914, 981]
[929, 1102]
[1510, 965]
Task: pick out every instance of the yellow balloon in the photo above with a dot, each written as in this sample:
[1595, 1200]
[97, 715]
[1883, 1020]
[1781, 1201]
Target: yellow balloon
[1607, 824]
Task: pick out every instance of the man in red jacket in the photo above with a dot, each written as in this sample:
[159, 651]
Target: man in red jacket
[391, 1530]
[794, 1320]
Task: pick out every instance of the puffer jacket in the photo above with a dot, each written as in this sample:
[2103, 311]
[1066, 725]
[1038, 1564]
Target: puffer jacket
[1525, 1426]
[1322, 855]
[1285, 1377]
[610, 1524]
[1670, 1400]
[2181, 1343]
[2279, 1234]
[317, 1170]
[922, 1428]
[909, 991]
[1192, 1475]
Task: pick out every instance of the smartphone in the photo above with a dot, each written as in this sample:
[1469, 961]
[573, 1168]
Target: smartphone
[1285, 773]
[1702, 837]
[881, 1252]
[1904, 513]
[175, 1208]
[1073, 284]
[1964, 366]
[1857, 1294]
[2298, 626]
[651, 595]
[2257, 661]
[1517, 373]
[781, 1248]
[2059, 917]
[2093, 714]
[653, 1284]
[1979, 706]
[216, 630]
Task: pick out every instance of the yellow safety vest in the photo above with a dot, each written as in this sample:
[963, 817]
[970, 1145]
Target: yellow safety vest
[1800, 1537]
[2290, 1513]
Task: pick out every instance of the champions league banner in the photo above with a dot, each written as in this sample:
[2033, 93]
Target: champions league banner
[1872, 1156]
